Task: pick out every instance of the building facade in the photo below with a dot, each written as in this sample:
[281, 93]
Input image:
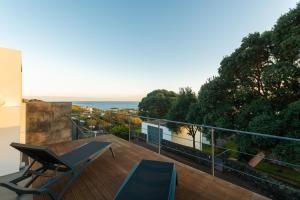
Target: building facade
[11, 109]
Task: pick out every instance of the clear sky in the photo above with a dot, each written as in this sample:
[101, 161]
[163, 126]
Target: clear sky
[121, 50]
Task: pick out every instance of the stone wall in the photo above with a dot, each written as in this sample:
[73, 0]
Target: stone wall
[47, 122]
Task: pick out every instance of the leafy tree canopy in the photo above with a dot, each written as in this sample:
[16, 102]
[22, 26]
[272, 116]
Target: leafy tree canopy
[180, 109]
[157, 103]
[258, 87]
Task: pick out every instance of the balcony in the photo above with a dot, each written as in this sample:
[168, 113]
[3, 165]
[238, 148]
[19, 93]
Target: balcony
[206, 171]
[103, 178]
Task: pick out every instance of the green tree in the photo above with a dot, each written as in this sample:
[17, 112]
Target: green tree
[120, 130]
[254, 108]
[281, 81]
[255, 84]
[180, 110]
[264, 123]
[157, 103]
[257, 89]
[286, 37]
[288, 151]
[214, 104]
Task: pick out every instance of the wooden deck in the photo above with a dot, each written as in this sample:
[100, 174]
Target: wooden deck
[103, 178]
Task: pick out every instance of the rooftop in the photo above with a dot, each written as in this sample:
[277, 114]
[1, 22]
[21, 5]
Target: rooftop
[103, 178]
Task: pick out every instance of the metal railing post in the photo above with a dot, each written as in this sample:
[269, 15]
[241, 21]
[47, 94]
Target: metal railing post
[110, 121]
[129, 128]
[77, 129]
[200, 139]
[213, 152]
[159, 139]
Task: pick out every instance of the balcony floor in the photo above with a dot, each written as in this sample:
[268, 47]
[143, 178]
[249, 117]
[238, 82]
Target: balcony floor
[103, 178]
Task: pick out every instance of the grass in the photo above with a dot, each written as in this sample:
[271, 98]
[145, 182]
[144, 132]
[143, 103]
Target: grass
[206, 148]
[233, 146]
[284, 173]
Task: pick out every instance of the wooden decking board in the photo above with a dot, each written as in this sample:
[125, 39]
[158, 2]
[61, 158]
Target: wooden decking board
[102, 179]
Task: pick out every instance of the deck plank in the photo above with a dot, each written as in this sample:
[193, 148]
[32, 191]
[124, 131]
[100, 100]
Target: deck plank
[102, 179]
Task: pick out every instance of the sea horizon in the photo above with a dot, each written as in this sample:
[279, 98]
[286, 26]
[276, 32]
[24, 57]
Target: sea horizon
[108, 104]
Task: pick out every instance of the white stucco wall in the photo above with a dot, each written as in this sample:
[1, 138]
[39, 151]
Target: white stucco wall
[10, 109]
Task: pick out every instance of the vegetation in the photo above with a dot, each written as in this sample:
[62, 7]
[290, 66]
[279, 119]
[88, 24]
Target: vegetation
[281, 172]
[157, 103]
[104, 121]
[233, 149]
[120, 130]
[180, 110]
[257, 89]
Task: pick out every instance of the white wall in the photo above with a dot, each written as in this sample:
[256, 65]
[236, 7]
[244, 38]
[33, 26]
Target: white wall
[181, 138]
[10, 109]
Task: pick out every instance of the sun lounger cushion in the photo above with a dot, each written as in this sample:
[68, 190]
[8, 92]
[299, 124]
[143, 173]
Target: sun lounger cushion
[149, 180]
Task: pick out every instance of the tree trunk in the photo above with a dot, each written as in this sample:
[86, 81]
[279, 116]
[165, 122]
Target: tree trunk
[194, 146]
[192, 132]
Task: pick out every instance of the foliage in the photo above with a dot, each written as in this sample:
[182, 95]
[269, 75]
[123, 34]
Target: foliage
[157, 103]
[257, 89]
[136, 121]
[264, 124]
[179, 111]
[233, 149]
[92, 122]
[285, 150]
[120, 130]
[77, 109]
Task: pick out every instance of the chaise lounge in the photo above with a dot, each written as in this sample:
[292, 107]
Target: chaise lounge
[69, 165]
[149, 180]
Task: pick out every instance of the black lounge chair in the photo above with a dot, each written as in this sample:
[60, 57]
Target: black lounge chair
[69, 165]
[149, 180]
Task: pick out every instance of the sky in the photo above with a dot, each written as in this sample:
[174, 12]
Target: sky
[122, 50]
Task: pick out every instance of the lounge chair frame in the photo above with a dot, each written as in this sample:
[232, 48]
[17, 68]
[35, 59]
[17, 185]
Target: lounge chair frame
[55, 172]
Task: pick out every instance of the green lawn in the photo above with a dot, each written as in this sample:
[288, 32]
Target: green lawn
[206, 148]
[284, 173]
[233, 146]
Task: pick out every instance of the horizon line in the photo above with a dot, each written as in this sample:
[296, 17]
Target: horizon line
[69, 98]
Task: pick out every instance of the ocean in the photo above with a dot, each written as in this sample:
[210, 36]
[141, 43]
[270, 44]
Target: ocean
[108, 104]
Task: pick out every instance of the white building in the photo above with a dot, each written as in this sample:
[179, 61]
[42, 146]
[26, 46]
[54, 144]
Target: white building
[151, 131]
[12, 122]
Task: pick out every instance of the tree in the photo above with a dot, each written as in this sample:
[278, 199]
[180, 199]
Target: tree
[254, 108]
[157, 103]
[257, 89]
[180, 110]
[215, 104]
[267, 124]
[281, 81]
[286, 37]
[255, 84]
[288, 151]
[91, 123]
[214, 107]
[120, 130]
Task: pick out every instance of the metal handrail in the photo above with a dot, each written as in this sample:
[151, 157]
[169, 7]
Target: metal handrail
[214, 127]
[223, 129]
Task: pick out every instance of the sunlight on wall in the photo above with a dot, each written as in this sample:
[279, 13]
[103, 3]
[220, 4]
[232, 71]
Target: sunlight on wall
[10, 109]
